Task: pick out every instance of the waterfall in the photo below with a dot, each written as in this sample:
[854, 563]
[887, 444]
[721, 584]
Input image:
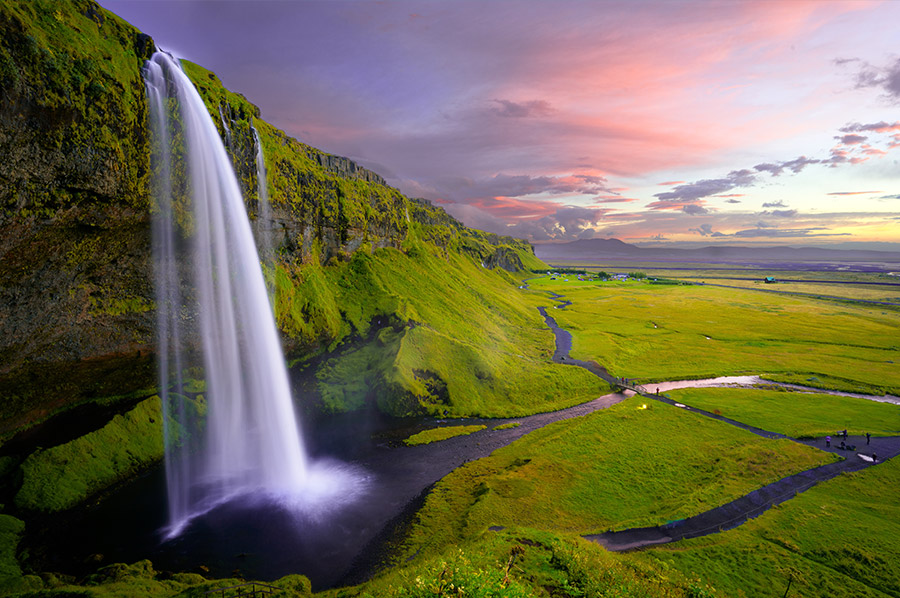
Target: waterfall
[264, 224]
[225, 127]
[248, 441]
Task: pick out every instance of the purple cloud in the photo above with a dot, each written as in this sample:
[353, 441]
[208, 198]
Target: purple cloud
[773, 169]
[694, 209]
[795, 165]
[704, 230]
[853, 192]
[707, 187]
[774, 204]
[510, 109]
[780, 213]
[886, 78]
[506, 185]
[851, 139]
[879, 127]
[566, 223]
[798, 164]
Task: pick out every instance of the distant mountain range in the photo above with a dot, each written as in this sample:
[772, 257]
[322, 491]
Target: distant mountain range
[598, 250]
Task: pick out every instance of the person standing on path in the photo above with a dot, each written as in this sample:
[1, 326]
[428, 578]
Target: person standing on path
[828, 442]
[845, 434]
[868, 436]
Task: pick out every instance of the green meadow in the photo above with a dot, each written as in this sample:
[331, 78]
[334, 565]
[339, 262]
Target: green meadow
[643, 463]
[520, 562]
[799, 415]
[819, 289]
[837, 539]
[634, 464]
[660, 332]
[438, 434]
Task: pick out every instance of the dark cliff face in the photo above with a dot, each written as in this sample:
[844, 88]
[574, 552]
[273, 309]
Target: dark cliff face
[76, 275]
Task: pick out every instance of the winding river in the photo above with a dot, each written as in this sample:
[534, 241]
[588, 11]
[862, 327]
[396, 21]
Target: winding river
[265, 541]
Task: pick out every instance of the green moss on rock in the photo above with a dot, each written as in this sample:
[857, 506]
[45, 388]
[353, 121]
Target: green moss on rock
[60, 477]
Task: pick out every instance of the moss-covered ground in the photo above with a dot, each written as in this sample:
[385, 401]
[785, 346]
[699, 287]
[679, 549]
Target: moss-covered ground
[455, 339]
[799, 415]
[442, 433]
[520, 562]
[61, 477]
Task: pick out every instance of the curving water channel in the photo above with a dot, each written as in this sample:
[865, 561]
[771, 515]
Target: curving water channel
[753, 504]
[239, 538]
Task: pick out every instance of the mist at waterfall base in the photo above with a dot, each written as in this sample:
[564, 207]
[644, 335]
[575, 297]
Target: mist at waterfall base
[251, 537]
[237, 449]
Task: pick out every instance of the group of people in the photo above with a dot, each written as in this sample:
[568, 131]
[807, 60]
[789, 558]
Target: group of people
[849, 447]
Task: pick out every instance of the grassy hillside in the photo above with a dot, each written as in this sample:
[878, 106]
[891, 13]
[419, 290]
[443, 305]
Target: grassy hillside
[76, 294]
[400, 303]
[441, 334]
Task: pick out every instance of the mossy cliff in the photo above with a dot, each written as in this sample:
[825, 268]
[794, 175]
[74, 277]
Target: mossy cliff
[388, 300]
[76, 298]
[75, 284]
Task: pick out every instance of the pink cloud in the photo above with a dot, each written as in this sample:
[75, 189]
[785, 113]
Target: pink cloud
[515, 209]
[872, 151]
[613, 199]
[879, 127]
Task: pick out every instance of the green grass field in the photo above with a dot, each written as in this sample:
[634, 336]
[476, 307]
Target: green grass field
[438, 434]
[626, 466]
[795, 414]
[846, 291]
[520, 562]
[652, 333]
[839, 538]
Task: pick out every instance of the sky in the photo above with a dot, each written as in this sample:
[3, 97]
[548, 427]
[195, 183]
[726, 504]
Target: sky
[759, 122]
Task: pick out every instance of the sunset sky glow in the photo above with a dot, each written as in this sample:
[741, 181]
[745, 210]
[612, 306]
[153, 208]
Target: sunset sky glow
[772, 122]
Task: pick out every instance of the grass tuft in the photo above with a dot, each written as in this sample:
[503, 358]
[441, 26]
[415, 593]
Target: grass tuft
[438, 434]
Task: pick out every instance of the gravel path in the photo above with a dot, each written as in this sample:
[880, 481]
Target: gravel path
[751, 505]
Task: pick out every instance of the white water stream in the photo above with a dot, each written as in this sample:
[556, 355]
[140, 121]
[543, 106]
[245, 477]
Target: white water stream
[751, 381]
[248, 441]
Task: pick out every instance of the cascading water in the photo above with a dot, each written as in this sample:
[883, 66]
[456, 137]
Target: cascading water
[247, 442]
[225, 127]
[264, 223]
